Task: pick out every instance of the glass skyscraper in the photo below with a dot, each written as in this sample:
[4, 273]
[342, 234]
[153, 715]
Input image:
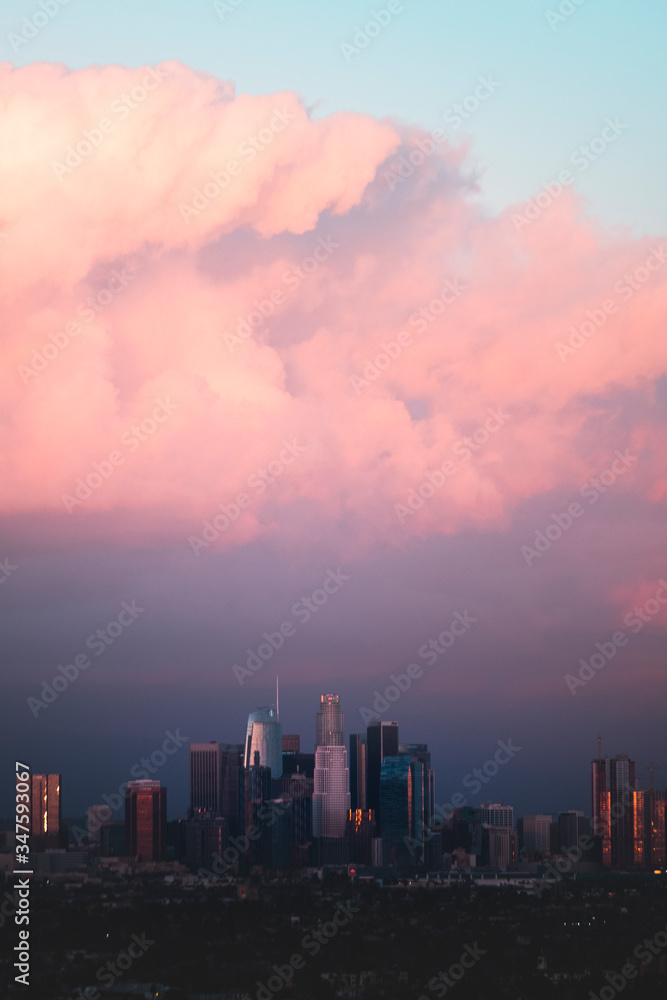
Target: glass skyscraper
[402, 792]
[381, 742]
[264, 734]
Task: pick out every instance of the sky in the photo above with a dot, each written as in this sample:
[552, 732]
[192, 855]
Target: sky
[345, 320]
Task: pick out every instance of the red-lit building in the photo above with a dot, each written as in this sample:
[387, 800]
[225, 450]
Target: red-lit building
[146, 820]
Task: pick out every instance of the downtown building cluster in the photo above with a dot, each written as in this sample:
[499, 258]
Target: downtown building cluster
[263, 805]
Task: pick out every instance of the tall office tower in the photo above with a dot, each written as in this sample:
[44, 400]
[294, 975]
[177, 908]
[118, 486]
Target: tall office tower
[535, 834]
[264, 734]
[291, 743]
[146, 820]
[360, 836]
[205, 779]
[205, 841]
[358, 763]
[420, 751]
[498, 845]
[231, 763]
[649, 830]
[497, 814]
[254, 790]
[381, 742]
[329, 723]
[402, 784]
[612, 786]
[45, 808]
[331, 798]
[567, 829]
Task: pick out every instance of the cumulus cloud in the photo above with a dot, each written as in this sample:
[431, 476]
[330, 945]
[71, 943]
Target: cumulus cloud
[193, 280]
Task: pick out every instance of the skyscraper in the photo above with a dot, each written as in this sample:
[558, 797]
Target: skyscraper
[146, 820]
[264, 734]
[381, 742]
[231, 762]
[497, 814]
[402, 785]
[205, 779]
[612, 786]
[331, 798]
[358, 764]
[329, 723]
[291, 743]
[535, 834]
[45, 808]
[420, 751]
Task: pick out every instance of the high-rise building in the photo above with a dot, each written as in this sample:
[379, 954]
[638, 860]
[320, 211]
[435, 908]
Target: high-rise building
[264, 734]
[420, 752]
[45, 808]
[291, 743]
[535, 834]
[649, 829]
[329, 723]
[497, 814]
[498, 845]
[381, 742]
[205, 840]
[567, 830]
[146, 820]
[231, 764]
[402, 784]
[360, 826]
[205, 779]
[358, 765]
[612, 787]
[331, 797]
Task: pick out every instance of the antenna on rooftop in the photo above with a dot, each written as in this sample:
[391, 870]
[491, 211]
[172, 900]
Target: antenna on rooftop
[277, 701]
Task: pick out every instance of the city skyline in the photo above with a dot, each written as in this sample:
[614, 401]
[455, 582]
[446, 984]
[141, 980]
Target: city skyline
[203, 782]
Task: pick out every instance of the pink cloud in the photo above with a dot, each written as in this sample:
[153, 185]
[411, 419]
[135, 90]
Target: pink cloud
[302, 225]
